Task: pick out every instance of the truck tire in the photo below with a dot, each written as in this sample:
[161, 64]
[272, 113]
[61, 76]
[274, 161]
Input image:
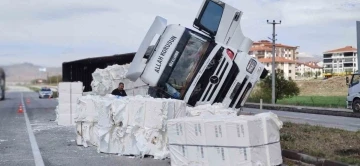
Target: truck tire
[356, 105]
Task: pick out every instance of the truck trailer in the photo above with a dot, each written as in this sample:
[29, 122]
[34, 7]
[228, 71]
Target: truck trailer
[208, 66]
[2, 84]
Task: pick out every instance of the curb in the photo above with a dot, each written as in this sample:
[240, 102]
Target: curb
[308, 110]
[310, 159]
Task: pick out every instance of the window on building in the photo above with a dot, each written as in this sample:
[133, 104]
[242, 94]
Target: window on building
[289, 78]
[289, 71]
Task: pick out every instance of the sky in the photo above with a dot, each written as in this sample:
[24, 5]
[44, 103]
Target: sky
[49, 33]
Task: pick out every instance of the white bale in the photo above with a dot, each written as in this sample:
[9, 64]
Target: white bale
[225, 140]
[132, 125]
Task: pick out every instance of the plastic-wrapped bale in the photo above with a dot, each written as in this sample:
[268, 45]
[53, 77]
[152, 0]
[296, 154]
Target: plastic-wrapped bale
[132, 125]
[69, 92]
[147, 123]
[106, 80]
[108, 140]
[86, 121]
[208, 109]
[225, 140]
[136, 125]
[87, 134]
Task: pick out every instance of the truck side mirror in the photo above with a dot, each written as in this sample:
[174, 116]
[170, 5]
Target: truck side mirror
[347, 80]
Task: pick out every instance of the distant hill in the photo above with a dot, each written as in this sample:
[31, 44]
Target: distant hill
[26, 72]
[302, 57]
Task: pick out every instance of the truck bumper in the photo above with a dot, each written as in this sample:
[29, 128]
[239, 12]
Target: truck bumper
[349, 104]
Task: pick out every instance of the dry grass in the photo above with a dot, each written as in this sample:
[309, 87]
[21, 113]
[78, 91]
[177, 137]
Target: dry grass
[335, 86]
[328, 143]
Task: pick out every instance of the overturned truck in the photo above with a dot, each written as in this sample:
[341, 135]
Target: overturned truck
[208, 66]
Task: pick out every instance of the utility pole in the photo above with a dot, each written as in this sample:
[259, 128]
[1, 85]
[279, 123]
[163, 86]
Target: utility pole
[273, 59]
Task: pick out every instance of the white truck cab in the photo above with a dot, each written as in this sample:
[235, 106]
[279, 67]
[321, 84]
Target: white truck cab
[353, 98]
[209, 66]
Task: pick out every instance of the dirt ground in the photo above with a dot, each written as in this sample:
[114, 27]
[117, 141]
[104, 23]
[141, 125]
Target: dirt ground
[335, 86]
[328, 143]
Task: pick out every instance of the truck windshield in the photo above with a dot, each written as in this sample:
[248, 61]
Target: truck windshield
[187, 65]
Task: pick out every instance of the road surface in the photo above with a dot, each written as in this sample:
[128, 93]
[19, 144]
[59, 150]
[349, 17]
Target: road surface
[41, 140]
[345, 123]
[56, 144]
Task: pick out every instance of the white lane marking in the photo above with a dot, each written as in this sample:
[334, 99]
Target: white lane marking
[34, 146]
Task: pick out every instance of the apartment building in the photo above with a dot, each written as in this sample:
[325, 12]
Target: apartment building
[309, 69]
[339, 61]
[285, 56]
[263, 49]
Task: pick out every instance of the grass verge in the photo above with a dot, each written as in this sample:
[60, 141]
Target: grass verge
[316, 101]
[328, 143]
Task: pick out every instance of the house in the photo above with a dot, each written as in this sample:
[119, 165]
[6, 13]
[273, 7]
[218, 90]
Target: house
[309, 69]
[340, 61]
[263, 49]
[285, 56]
[287, 66]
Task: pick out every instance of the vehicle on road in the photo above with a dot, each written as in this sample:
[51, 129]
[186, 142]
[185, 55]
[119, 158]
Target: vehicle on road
[45, 92]
[208, 66]
[353, 98]
[2, 84]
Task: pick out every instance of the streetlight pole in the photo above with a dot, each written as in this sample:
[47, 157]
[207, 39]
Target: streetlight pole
[273, 59]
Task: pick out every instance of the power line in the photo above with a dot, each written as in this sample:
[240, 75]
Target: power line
[273, 59]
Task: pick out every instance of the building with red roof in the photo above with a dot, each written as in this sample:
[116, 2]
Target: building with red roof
[340, 60]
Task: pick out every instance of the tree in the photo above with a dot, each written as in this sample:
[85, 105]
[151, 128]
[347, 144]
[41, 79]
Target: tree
[283, 88]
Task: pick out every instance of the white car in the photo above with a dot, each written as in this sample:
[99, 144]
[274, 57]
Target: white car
[45, 92]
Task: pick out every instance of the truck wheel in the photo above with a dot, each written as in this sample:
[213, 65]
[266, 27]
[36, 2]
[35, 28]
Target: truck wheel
[356, 105]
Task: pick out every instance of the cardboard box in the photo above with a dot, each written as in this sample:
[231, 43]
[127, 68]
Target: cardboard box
[179, 155]
[195, 131]
[176, 131]
[67, 98]
[76, 87]
[245, 131]
[215, 132]
[64, 87]
[218, 156]
[271, 126]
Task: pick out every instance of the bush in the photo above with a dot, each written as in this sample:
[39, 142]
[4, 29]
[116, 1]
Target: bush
[283, 89]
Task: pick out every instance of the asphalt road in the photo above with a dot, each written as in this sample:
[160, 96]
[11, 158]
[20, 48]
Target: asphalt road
[55, 145]
[345, 123]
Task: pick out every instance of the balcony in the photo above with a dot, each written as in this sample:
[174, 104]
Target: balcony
[327, 55]
[328, 61]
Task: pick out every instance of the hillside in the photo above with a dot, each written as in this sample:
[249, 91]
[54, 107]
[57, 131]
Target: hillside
[335, 86]
[25, 72]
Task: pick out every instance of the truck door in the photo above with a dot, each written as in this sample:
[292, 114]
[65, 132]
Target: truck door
[222, 22]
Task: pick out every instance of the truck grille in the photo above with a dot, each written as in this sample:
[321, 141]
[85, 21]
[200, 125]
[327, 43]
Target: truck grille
[248, 87]
[203, 82]
[220, 71]
[234, 71]
[238, 88]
